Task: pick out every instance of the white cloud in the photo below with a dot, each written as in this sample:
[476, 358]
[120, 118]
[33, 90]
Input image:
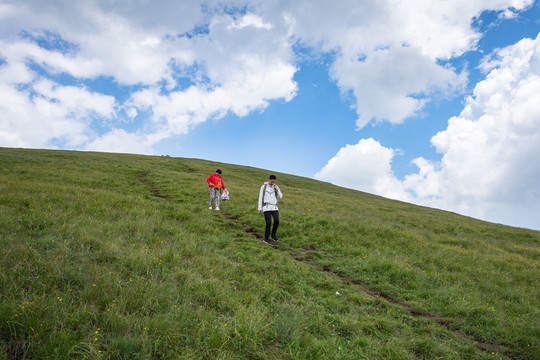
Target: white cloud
[489, 150]
[42, 113]
[75, 101]
[365, 166]
[384, 84]
[388, 51]
[246, 67]
[488, 167]
[15, 73]
[120, 141]
[250, 20]
[181, 110]
[233, 63]
[107, 39]
[138, 43]
[131, 113]
[22, 52]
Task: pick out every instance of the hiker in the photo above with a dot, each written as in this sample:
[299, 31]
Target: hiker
[215, 182]
[268, 198]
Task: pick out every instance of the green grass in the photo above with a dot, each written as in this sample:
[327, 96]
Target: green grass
[109, 256]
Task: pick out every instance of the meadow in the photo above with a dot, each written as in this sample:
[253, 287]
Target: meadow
[113, 256]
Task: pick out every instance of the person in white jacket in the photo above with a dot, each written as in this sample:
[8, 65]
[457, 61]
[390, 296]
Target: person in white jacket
[268, 199]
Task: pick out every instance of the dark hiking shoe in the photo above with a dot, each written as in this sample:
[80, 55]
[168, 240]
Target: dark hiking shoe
[275, 238]
[265, 241]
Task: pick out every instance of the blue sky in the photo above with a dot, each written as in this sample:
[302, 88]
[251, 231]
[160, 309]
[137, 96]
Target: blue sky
[434, 103]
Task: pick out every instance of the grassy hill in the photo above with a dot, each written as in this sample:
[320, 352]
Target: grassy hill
[108, 256]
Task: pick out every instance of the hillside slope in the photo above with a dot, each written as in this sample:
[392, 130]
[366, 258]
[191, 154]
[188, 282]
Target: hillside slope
[118, 257]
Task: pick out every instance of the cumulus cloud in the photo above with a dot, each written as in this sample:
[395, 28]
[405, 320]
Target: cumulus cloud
[246, 66]
[250, 20]
[104, 39]
[179, 111]
[388, 51]
[120, 141]
[176, 56]
[488, 168]
[201, 63]
[391, 84]
[34, 114]
[365, 166]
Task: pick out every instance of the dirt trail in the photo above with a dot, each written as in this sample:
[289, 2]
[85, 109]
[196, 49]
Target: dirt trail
[299, 257]
[487, 347]
[141, 177]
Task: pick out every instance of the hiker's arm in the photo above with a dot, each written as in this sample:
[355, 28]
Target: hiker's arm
[260, 199]
[279, 195]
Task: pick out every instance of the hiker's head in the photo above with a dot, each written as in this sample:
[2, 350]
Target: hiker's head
[271, 179]
[218, 171]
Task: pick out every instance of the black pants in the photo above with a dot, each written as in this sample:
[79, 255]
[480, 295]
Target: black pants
[268, 215]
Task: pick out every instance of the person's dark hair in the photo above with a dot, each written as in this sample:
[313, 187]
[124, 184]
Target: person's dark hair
[272, 177]
[218, 171]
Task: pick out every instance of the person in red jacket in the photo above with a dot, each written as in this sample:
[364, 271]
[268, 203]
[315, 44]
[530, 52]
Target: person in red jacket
[215, 182]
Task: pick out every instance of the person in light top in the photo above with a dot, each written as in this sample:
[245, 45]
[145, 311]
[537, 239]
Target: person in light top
[268, 199]
[215, 183]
